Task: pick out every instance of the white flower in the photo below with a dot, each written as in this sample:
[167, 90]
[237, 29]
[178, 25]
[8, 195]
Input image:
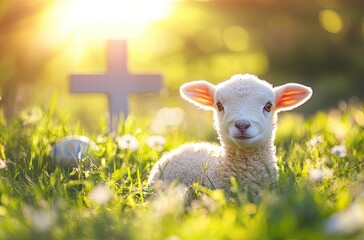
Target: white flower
[100, 194]
[156, 142]
[101, 139]
[319, 174]
[170, 201]
[167, 118]
[42, 220]
[32, 115]
[317, 140]
[346, 222]
[339, 150]
[128, 142]
[2, 164]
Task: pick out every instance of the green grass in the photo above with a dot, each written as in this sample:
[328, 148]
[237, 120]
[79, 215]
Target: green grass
[36, 203]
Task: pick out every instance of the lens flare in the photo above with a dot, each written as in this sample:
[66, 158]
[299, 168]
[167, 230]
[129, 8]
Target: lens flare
[110, 18]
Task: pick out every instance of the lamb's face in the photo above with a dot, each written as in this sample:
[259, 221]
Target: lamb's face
[245, 106]
[244, 116]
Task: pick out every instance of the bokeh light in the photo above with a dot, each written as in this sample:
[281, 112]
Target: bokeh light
[236, 38]
[336, 125]
[331, 20]
[252, 62]
[359, 118]
[209, 40]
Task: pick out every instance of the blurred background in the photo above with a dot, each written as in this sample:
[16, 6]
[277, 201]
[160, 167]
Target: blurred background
[318, 43]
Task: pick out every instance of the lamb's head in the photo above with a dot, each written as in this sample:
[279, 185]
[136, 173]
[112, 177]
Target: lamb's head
[245, 107]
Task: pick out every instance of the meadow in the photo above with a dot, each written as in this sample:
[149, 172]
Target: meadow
[320, 194]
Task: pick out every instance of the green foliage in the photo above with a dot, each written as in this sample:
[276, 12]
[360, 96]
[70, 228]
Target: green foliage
[42, 44]
[319, 195]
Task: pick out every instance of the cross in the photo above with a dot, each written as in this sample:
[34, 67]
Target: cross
[117, 82]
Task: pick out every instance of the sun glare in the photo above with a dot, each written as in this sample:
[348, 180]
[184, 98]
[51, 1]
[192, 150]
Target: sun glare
[110, 18]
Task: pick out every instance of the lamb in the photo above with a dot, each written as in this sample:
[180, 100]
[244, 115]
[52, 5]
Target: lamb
[245, 115]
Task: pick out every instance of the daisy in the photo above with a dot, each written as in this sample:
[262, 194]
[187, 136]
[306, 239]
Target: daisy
[128, 142]
[2, 164]
[100, 194]
[156, 142]
[339, 150]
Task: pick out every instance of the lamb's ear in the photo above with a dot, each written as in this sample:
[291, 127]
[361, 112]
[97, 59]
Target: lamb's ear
[291, 95]
[200, 93]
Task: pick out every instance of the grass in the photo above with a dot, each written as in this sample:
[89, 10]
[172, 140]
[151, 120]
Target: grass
[320, 193]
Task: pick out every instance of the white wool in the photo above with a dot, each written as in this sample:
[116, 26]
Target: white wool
[246, 127]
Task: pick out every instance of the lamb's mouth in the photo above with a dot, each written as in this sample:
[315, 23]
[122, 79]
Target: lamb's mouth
[244, 137]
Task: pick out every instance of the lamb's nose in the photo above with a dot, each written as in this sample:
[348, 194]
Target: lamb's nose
[242, 125]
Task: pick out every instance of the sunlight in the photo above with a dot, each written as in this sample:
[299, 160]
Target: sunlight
[110, 18]
[80, 25]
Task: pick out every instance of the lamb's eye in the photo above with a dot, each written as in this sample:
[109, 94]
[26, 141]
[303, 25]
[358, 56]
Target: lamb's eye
[268, 107]
[219, 106]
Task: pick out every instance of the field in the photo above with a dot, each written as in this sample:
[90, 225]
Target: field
[320, 194]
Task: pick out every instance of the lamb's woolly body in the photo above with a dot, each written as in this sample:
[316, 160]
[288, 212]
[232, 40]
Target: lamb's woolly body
[192, 162]
[213, 166]
[248, 154]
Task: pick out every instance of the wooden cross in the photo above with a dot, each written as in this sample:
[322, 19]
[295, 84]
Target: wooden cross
[117, 82]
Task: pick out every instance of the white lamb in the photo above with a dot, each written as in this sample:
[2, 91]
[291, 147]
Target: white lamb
[245, 114]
